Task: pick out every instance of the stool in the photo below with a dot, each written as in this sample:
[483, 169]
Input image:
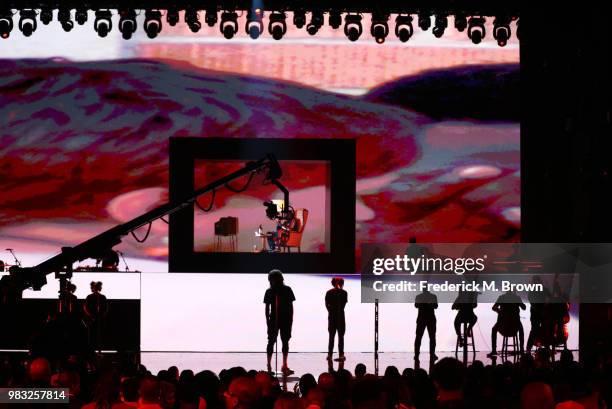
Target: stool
[468, 341]
[506, 344]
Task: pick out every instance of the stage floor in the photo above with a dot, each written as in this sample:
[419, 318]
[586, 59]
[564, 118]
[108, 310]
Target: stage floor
[301, 362]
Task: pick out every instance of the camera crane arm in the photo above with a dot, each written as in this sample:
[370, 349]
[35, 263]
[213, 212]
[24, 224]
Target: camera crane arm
[35, 277]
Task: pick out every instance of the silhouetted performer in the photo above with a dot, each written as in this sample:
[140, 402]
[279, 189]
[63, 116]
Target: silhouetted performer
[68, 302]
[426, 303]
[279, 316]
[465, 303]
[507, 307]
[537, 302]
[335, 301]
[96, 310]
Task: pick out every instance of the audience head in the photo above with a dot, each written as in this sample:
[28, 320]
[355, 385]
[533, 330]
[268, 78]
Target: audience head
[307, 382]
[368, 393]
[448, 374]
[242, 393]
[40, 371]
[129, 389]
[288, 400]
[150, 389]
[360, 370]
[537, 395]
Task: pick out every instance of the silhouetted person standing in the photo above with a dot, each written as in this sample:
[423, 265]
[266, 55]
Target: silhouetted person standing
[426, 303]
[96, 310]
[465, 303]
[507, 307]
[335, 301]
[279, 316]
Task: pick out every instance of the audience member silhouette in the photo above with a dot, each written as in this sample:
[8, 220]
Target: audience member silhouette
[335, 301]
[279, 316]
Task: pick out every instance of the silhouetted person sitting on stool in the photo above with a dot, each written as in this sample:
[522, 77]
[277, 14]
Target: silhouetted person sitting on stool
[465, 303]
[335, 301]
[507, 307]
[279, 316]
[426, 303]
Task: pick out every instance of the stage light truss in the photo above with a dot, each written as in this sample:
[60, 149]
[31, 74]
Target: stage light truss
[313, 15]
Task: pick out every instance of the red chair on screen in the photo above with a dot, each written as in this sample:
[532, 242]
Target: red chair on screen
[295, 235]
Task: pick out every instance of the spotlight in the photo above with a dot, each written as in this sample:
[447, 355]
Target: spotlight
[277, 27]
[352, 26]
[460, 22]
[476, 29]
[64, 17]
[440, 24]
[172, 16]
[103, 23]
[335, 19]
[27, 22]
[403, 28]
[424, 21]
[316, 22]
[6, 23]
[254, 24]
[152, 24]
[193, 20]
[229, 24]
[80, 16]
[501, 30]
[379, 28]
[127, 23]
[46, 15]
[299, 18]
[211, 17]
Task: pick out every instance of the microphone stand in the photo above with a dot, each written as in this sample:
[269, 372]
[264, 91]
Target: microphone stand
[15, 257]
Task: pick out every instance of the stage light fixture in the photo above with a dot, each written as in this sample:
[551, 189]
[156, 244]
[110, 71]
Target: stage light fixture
[424, 21]
[254, 23]
[460, 22]
[27, 22]
[152, 24]
[6, 23]
[277, 26]
[172, 16]
[299, 18]
[229, 24]
[65, 19]
[80, 16]
[103, 23]
[440, 24]
[316, 22]
[335, 19]
[46, 15]
[379, 28]
[127, 23]
[192, 18]
[403, 28]
[352, 26]
[501, 30]
[211, 16]
[476, 29]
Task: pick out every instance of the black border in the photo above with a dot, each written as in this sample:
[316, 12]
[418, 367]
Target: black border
[341, 155]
